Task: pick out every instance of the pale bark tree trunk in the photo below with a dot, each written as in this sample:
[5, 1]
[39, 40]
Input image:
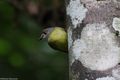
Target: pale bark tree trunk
[94, 39]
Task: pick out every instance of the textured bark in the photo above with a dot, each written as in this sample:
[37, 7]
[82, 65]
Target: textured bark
[94, 40]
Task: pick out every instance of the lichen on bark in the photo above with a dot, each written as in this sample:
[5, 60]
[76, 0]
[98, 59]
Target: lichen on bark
[94, 47]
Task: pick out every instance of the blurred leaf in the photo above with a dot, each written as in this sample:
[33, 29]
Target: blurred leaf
[6, 10]
[28, 23]
[17, 60]
[44, 73]
[5, 47]
[28, 44]
[47, 2]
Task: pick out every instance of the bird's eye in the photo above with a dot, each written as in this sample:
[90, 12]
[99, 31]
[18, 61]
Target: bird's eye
[44, 33]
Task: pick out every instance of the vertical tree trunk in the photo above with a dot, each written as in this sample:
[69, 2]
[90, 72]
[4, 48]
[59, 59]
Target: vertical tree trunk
[94, 39]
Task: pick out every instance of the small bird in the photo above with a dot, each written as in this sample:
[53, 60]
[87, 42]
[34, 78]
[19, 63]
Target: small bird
[56, 37]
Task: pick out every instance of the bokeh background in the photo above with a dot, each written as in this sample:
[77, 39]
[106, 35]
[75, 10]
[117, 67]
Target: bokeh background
[22, 54]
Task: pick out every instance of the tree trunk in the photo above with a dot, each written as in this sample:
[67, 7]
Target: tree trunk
[94, 39]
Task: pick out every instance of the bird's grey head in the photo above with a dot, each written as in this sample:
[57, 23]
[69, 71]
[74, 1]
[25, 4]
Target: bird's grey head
[45, 33]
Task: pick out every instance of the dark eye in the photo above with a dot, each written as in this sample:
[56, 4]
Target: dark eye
[44, 33]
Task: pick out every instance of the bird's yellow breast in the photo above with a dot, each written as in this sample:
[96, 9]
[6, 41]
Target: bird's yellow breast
[58, 39]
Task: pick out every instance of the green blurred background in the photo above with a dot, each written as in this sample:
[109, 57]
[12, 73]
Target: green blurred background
[22, 54]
